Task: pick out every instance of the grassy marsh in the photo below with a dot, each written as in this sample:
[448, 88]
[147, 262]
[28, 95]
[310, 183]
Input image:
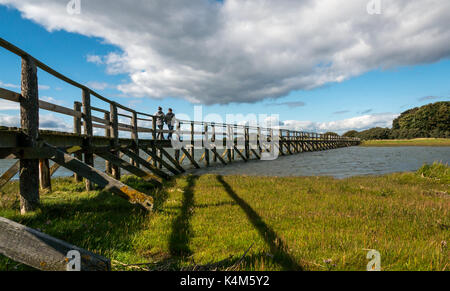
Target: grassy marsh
[298, 223]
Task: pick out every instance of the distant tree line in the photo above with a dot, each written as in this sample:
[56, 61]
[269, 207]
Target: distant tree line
[432, 120]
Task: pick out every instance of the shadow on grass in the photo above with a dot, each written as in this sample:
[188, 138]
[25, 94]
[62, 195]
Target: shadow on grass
[181, 227]
[276, 245]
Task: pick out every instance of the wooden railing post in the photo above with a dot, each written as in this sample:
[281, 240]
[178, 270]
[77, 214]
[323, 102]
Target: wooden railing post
[191, 152]
[44, 175]
[77, 129]
[259, 141]
[154, 137]
[228, 143]
[205, 146]
[88, 131]
[213, 139]
[29, 120]
[135, 138]
[115, 137]
[233, 142]
[177, 151]
[247, 143]
[107, 116]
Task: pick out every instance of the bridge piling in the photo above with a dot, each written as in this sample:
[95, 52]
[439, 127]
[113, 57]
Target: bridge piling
[29, 119]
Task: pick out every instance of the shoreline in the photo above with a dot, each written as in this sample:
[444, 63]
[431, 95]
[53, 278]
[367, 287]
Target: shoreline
[419, 142]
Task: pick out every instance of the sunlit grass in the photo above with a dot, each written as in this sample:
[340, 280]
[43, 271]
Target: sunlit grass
[408, 142]
[308, 223]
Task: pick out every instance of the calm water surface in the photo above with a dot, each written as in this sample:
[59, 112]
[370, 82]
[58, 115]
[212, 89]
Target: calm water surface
[339, 163]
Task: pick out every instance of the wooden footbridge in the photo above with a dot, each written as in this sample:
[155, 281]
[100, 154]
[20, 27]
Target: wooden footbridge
[148, 155]
[144, 154]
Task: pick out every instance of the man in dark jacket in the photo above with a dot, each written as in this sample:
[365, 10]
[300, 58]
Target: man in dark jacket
[160, 122]
[170, 120]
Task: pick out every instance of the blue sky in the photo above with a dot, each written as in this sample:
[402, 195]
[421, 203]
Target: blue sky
[373, 92]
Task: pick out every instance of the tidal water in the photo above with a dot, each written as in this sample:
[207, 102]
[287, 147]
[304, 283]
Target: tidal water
[339, 163]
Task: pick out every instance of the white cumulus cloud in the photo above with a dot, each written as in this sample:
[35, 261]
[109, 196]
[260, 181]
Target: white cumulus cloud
[340, 126]
[248, 50]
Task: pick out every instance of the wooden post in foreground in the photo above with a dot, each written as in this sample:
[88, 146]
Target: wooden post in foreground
[77, 129]
[115, 137]
[88, 131]
[213, 139]
[154, 137]
[135, 138]
[44, 175]
[206, 139]
[191, 151]
[177, 152]
[108, 168]
[29, 114]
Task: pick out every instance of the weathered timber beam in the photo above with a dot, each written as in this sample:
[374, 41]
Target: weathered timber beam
[216, 154]
[149, 166]
[41, 251]
[172, 160]
[9, 174]
[240, 153]
[118, 162]
[190, 158]
[256, 154]
[101, 179]
[154, 157]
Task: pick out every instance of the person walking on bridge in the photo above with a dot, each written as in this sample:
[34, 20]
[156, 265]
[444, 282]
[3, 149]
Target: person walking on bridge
[170, 121]
[160, 122]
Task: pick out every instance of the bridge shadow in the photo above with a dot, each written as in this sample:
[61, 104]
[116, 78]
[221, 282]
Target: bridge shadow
[181, 227]
[277, 247]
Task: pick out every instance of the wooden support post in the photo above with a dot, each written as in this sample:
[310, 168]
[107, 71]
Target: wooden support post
[135, 138]
[115, 137]
[154, 137]
[177, 151]
[228, 143]
[160, 160]
[206, 140]
[9, 174]
[191, 151]
[29, 119]
[188, 155]
[280, 143]
[259, 141]
[288, 144]
[88, 131]
[272, 147]
[217, 156]
[108, 168]
[233, 136]
[213, 139]
[240, 153]
[44, 175]
[41, 251]
[247, 142]
[77, 129]
[175, 162]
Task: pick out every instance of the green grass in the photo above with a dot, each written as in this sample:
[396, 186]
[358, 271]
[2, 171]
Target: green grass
[407, 142]
[307, 223]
